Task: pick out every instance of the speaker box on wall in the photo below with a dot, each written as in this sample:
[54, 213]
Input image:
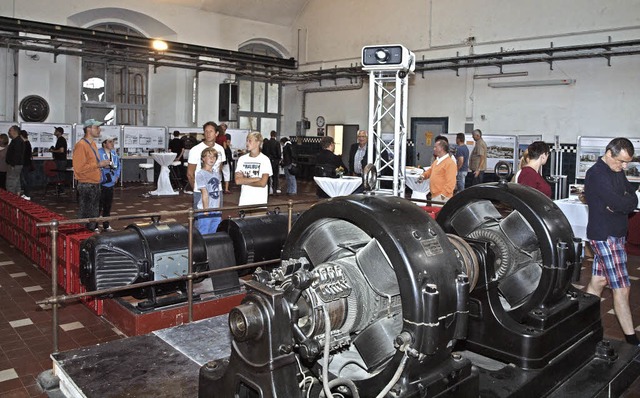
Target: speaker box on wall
[228, 102]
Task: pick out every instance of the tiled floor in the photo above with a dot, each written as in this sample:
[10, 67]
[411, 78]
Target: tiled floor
[25, 328]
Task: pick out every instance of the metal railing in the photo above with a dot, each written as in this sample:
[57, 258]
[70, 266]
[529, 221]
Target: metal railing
[54, 225]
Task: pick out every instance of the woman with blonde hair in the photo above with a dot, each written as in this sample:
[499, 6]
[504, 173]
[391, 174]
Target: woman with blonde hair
[252, 172]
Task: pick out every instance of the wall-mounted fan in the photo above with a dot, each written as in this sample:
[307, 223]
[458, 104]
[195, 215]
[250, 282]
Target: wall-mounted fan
[34, 108]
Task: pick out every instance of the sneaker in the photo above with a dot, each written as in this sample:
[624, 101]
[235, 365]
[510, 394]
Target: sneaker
[109, 229]
[25, 197]
[97, 230]
[278, 191]
[189, 192]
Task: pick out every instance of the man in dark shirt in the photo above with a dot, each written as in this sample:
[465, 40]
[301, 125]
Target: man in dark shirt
[176, 145]
[15, 160]
[462, 161]
[59, 152]
[27, 166]
[271, 148]
[611, 198]
[327, 162]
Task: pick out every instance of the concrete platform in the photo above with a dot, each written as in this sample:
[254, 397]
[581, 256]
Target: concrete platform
[164, 363]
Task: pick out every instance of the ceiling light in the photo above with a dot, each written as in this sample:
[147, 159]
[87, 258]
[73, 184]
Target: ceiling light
[159, 45]
[496, 75]
[533, 83]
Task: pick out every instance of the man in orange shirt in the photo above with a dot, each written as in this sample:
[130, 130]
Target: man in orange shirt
[86, 169]
[442, 173]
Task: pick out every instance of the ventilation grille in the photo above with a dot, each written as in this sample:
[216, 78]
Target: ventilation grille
[114, 269]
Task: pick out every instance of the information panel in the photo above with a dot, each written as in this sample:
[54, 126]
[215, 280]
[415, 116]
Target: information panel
[591, 148]
[500, 148]
[42, 138]
[139, 141]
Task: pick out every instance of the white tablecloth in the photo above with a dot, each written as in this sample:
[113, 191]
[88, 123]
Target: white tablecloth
[577, 213]
[338, 186]
[164, 182]
[419, 190]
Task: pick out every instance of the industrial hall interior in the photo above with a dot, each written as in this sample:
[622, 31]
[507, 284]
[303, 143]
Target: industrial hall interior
[319, 198]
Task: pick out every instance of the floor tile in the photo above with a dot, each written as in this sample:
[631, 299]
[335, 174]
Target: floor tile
[21, 322]
[72, 326]
[6, 262]
[32, 288]
[8, 374]
[18, 274]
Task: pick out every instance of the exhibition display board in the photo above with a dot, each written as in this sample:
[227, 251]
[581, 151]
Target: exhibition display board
[500, 148]
[140, 141]
[591, 148]
[42, 138]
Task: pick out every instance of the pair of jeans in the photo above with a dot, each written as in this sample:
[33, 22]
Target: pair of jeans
[292, 184]
[89, 202]
[207, 223]
[461, 177]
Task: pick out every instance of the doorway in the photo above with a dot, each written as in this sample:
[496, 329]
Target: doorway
[424, 130]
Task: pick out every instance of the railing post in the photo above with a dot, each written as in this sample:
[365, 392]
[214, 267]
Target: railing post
[54, 282]
[190, 269]
[290, 214]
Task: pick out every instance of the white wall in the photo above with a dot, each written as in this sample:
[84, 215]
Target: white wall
[333, 32]
[600, 103]
[170, 90]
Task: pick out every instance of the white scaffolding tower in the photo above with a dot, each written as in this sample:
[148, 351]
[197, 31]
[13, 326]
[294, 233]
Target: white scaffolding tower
[387, 146]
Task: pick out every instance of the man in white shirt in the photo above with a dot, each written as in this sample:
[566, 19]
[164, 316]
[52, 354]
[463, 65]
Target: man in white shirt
[194, 162]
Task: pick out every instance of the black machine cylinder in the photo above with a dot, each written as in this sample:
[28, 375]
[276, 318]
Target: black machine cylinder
[253, 237]
[159, 251]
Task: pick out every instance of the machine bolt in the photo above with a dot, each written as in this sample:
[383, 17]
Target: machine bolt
[211, 365]
[402, 340]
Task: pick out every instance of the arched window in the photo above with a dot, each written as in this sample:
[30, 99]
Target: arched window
[114, 91]
[259, 100]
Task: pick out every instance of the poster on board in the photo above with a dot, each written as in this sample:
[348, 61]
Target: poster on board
[591, 148]
[42, 138]
[139, 141]
[500, 148]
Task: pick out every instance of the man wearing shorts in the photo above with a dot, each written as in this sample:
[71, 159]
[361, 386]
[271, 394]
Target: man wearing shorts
[611, 198]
